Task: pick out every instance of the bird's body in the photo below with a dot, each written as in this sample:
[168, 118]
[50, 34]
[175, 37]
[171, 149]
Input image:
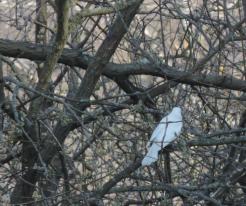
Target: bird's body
[168, 130]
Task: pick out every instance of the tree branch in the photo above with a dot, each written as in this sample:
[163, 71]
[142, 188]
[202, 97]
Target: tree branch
[75, 57]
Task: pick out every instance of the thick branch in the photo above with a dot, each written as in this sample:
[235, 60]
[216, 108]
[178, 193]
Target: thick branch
[217, 141]
[73, 57]
[61, 38]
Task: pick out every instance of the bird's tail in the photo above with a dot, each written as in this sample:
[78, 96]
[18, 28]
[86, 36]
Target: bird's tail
[152, 155]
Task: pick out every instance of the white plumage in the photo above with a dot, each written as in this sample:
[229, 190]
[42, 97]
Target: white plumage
[168, 130]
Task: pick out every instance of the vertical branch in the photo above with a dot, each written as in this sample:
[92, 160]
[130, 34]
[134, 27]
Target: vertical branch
[2, 98]
[244, 8]
[40, 27]
[25, 186]
[41, 31]
[61, 38]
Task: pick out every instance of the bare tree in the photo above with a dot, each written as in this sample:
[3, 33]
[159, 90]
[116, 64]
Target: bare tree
[83, 84]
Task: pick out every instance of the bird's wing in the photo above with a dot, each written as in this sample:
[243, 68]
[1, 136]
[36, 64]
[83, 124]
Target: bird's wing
[158, 132]
[172, 132]
[168, 129]
[174, 125]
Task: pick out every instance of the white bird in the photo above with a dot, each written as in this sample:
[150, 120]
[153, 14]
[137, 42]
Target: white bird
[168, 130]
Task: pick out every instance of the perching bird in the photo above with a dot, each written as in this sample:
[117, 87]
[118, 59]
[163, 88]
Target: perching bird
[168, 130]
